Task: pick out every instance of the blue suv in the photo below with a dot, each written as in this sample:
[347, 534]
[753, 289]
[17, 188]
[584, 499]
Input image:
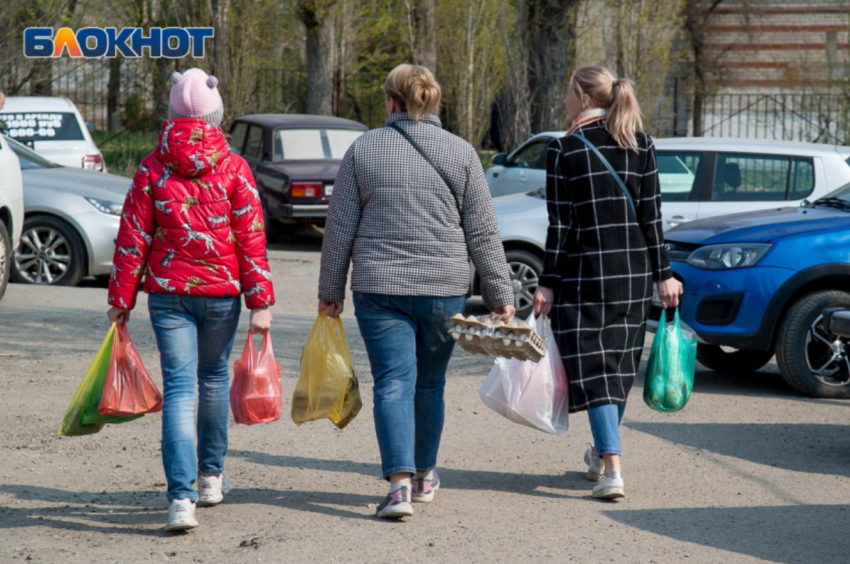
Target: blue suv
[759, 284]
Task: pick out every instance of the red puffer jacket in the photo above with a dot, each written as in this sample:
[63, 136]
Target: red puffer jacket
[192, 222]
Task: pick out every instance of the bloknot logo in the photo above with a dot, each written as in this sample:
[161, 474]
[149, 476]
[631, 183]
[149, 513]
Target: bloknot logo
[109, 42]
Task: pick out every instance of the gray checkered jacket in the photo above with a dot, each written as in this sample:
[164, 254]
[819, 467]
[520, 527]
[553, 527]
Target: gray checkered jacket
[406, 233]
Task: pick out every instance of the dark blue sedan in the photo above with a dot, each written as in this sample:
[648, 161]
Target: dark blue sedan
[759, 284]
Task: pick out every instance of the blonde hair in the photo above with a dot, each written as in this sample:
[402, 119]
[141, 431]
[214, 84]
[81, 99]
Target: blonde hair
[414, 89]
[598, 86]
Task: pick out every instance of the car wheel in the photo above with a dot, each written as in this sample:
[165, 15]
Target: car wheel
[5, 258]
[274, 230]
[736, 362]
[810, 360]
[50, 252]
[525, 274]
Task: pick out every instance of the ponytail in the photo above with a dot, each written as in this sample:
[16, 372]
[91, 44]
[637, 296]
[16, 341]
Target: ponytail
[414, 89]
[617, 96]
[623, 117]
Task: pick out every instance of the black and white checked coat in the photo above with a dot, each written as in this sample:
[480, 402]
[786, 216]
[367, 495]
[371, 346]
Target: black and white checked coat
[601, 261]
[404, 230]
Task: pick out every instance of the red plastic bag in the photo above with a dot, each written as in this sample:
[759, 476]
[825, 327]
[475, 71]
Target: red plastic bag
[129, 389]
[255, 396]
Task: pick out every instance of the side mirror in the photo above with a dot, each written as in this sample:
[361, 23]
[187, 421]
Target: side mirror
[90, 126]
[500, 159]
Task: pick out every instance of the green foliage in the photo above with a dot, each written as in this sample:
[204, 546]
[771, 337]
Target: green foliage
[124, 152]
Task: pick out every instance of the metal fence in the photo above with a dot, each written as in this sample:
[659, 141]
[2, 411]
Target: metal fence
[812, 116]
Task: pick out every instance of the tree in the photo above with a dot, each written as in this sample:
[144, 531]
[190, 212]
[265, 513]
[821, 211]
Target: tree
[319, 25]
[697, 14]
[550, 25]
[421, 21]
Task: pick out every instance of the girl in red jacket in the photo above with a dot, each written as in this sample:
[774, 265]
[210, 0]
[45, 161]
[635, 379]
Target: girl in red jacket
[193, 226]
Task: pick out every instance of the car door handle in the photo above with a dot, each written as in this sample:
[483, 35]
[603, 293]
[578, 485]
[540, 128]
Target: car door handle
[495, 175]
[676, 220]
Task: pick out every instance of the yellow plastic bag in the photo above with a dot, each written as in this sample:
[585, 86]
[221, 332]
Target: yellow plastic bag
[71, 426]
[327, 386]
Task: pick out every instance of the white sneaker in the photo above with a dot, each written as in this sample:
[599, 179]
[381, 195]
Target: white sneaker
[211, 489]
[181, 515]
[595, 465]
[611, 486]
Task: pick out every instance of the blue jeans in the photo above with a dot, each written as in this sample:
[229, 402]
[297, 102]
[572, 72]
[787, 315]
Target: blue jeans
[605, 425]
[194, 336]
[409, 348]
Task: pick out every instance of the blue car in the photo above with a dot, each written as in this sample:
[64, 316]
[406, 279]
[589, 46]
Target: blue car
[760, 283]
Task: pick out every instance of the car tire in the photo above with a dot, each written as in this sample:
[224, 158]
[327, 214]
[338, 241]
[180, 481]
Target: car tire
[525, 269]
[5, 258]
[800, 353]
[52, 242]
[737, 363]
[274, 229]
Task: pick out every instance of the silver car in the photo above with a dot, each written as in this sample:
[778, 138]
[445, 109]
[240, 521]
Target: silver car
[71, 219]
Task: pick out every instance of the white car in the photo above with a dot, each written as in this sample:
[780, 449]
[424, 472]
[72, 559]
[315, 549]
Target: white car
[699, 177]
[54, 128]
[11, 210]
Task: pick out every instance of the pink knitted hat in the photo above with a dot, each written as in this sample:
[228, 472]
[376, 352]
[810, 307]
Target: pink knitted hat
[194, 94]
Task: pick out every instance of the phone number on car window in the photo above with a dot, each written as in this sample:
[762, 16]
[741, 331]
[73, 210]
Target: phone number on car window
[30, 125]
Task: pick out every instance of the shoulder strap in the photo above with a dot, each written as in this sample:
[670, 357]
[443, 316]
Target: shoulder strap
[430, 162]
[610, 168]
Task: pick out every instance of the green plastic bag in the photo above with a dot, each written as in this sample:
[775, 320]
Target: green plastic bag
[82, 417]
[670, 372]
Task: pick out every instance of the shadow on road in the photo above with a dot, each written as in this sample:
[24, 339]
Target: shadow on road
[798, 533]
[131, 513]
[800, 447]
[479, 480]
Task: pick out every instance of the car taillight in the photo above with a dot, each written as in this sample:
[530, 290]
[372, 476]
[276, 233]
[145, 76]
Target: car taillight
[306, 190]
[93, 162]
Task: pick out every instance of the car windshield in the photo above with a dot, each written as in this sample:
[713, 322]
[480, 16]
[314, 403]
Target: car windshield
[32, 126]
[839, 198]
[28, 158]
[312, 144]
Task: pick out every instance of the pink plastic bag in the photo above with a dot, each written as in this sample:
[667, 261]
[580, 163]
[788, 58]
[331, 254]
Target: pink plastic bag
[529, 393]
[255, 396]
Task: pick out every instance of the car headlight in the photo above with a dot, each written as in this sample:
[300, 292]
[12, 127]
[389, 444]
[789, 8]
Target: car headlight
[733, 255]
[105, 206]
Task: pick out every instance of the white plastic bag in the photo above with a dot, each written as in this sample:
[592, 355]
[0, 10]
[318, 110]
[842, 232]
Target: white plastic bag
[529, 393]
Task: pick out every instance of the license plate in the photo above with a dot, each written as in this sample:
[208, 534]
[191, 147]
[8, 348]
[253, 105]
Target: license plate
[329, 190]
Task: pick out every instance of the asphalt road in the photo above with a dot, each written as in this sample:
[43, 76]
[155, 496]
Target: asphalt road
[748, 472]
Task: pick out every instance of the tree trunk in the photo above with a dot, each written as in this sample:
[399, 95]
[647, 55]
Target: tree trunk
[551, 41]
[113, 96]
[220, 66]
[320, 53]
[422, 18]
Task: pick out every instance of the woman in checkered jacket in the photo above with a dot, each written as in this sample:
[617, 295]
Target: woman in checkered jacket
[410, 207]
[604, 252]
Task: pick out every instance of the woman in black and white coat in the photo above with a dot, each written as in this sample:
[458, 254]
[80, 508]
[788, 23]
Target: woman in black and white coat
[603, 255]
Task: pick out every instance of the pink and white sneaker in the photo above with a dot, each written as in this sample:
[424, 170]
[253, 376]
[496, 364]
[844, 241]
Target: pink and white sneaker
[396, 505]
[425, 487]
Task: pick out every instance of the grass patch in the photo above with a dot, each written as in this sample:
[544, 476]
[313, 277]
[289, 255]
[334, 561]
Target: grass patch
[123, 152]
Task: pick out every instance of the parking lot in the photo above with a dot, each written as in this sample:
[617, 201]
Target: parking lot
[748, 472]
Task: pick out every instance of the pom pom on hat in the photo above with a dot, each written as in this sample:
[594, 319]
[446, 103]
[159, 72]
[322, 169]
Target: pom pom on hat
[194, 94]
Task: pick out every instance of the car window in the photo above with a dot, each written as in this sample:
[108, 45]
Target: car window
[237, 137]
[254, 146]
[761, 178]
[28, 158]
[32, 126]
[532, 155]
[312, 144]
[677, 174]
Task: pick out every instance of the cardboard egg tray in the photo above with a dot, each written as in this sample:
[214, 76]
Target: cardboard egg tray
[488, 336]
